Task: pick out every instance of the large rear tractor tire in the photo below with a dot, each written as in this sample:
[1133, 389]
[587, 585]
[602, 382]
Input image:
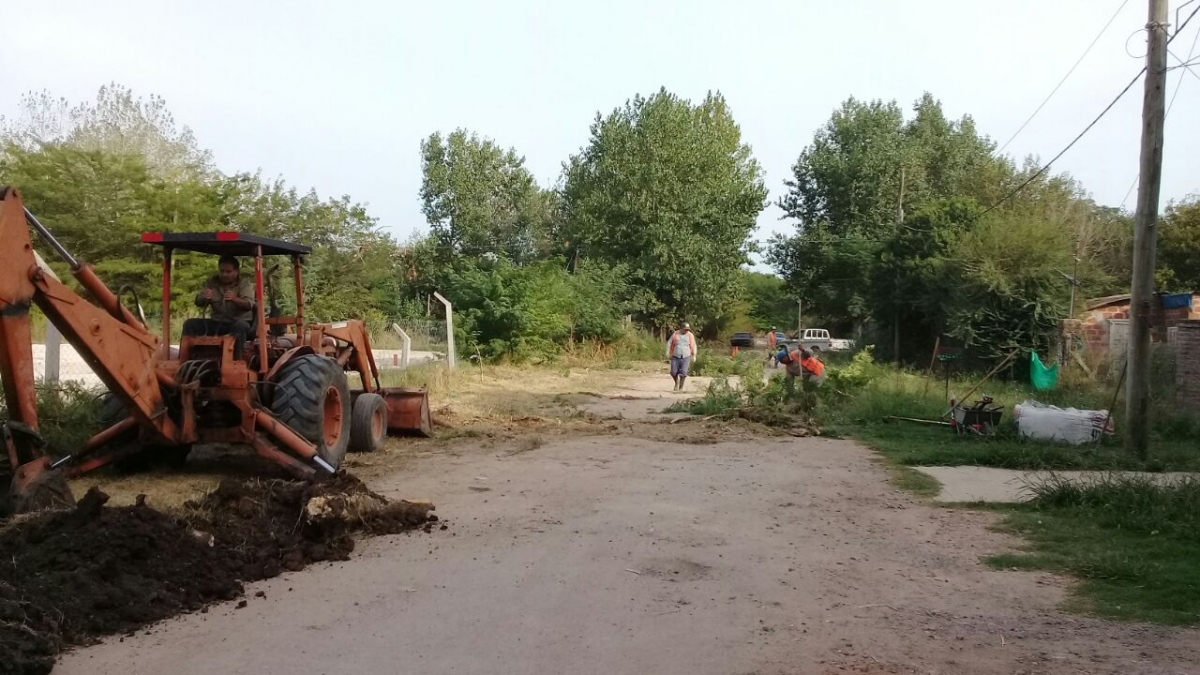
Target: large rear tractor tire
[312, 397]
[368, 423]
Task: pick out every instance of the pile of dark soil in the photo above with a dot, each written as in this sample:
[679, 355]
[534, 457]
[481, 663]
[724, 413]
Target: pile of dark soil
[69, 577]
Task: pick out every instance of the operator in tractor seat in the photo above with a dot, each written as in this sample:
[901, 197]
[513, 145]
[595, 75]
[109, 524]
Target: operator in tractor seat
[230, 300]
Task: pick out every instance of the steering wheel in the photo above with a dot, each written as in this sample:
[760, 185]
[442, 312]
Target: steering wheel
[141, 313]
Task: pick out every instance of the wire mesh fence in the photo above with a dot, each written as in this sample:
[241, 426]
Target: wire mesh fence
[428, 339]
[55, 362]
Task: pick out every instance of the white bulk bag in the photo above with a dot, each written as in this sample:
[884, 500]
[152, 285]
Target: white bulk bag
[1051, 423]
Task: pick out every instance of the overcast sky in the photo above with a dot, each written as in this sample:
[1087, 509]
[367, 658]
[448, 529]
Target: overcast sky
[337, 96]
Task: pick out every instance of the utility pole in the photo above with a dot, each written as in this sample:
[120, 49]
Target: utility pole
[1074, 283]
[895, 289]
[799, 318]
[1145, 234]
[1065, 348]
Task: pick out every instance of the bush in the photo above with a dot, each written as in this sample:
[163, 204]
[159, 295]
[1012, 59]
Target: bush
[1128, 503]
[535, 310]
[636, 345]
[68, 415]
[766, 403]
[719, 398]
[860, 372]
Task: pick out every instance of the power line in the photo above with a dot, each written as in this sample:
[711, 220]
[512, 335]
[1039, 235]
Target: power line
[1064, 77]
[1086, 129]
[1174, 95]
[1070, 145]
[1186, 66]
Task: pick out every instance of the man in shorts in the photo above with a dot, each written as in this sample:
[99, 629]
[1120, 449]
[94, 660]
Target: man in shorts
[681, 349]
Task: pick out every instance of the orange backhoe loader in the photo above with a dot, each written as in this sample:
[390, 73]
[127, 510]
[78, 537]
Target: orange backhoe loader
[288, 396]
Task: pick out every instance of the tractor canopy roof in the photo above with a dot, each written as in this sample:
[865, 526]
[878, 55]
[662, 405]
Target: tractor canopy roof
[224, 243]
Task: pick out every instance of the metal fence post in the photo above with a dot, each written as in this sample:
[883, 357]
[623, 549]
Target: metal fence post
[53, 354]
[451, 357]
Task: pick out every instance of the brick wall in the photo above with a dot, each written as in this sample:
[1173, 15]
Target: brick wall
[1187, 364]
[1094, 326]
[1176, 316]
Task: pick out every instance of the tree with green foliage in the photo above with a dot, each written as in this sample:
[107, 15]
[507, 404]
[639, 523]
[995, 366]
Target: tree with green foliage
[1179, 247]
[98, 204]
[915, 274]
[116, 123]
[850, 189]
[353, 272]
[1008, 290]
[479, 198]
[101, 173]
[768, 301]
[890, 233]
[532, 310]
[668, 188]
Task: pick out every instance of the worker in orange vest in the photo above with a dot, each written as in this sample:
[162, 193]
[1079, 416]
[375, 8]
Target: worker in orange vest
[681, 349]
[803, 364]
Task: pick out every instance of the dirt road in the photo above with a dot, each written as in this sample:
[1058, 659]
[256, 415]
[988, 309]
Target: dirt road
[609, 555]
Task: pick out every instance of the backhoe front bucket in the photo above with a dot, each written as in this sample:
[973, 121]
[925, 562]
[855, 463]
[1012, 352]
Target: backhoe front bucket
[407, 411]
[36, 486]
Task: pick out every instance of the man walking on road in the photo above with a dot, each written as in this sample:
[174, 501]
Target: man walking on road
[681, 349]
[772, 343]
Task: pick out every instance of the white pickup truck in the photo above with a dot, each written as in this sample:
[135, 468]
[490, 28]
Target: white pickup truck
[816, 339]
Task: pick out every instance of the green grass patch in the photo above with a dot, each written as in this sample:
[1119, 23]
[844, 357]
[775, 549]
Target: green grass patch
[911, 444]
[710, 364]
[884, 392]
[907, 478]
[1134, 545]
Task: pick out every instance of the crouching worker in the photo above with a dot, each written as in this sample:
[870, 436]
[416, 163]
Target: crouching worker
[230, 302]
[803, 364]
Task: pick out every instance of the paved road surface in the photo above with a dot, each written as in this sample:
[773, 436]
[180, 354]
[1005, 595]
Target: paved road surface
[613, 555]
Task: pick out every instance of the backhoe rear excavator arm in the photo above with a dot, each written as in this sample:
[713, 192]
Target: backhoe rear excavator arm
[118, 348]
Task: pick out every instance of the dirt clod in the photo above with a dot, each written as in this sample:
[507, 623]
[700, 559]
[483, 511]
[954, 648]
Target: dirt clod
[69, 577]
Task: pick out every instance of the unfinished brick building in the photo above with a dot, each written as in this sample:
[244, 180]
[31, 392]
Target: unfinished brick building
[1104, 325]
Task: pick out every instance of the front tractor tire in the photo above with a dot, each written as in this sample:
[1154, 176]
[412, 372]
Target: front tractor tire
[312, 397]
[368, 424]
